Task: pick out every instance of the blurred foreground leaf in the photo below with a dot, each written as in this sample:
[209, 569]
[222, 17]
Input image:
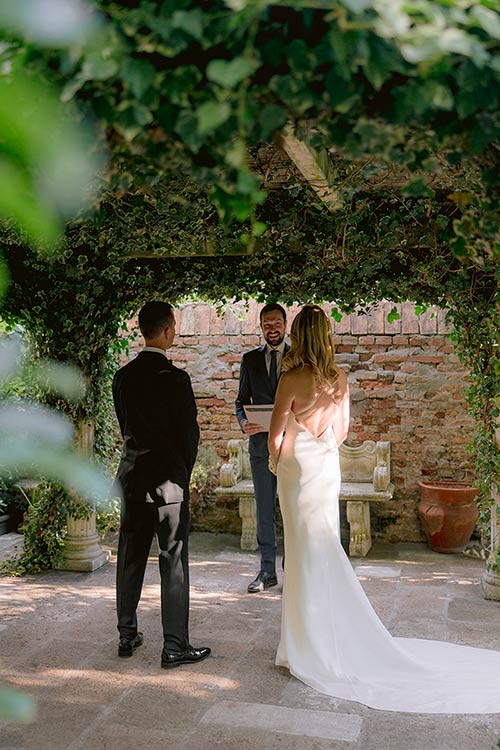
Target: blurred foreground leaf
[48, 166]
[16, 706]
[37, 441]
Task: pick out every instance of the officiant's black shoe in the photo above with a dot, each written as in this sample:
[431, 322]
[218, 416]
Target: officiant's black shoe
[190, 655]
[263, 581]
[127, 645]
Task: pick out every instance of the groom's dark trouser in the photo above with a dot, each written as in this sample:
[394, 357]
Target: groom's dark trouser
[139, 524]
[264, 483]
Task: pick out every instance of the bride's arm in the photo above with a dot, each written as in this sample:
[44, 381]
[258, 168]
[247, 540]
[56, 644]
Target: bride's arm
[341, 423]
[282, 405]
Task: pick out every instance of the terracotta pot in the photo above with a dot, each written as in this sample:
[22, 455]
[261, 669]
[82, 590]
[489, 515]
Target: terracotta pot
[448, 513]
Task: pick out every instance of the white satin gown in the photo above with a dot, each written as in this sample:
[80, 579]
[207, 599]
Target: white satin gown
[331, 638]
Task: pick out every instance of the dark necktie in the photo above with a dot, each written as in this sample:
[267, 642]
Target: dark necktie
[273, 370]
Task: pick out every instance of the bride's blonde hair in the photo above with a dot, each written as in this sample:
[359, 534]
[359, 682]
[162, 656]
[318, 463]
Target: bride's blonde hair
[312, 344]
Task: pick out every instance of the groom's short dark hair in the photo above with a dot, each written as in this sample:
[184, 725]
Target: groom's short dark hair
[154, 317]
[271, 307]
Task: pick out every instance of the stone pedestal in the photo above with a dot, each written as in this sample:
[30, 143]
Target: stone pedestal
[248, 523]
[490, 579]
[358, 516]
[82, 550]
[491, 585]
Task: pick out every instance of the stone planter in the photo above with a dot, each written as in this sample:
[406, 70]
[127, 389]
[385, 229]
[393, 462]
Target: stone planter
[448, 512]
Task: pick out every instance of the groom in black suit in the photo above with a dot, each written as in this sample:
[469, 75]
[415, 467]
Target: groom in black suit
[155, 405]
[259, 374]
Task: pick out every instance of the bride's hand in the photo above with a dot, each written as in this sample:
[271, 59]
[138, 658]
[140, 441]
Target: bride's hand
[272, 466]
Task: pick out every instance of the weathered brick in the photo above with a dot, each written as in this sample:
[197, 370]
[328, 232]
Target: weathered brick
[395, 326]
[365, 375]
[419, 341]
[400, 340]
[232, 323]
[405, 388]
[349, 341]
[392, 357]
[217, 323]
[186, 320]
[409, 322]
[359, 324]
[202, 319]
[376, 320]
[434, 359]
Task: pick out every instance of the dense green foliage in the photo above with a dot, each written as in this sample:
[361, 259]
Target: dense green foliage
[399, 107]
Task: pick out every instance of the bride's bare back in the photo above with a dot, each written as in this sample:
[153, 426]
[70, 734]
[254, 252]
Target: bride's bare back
[314, 407]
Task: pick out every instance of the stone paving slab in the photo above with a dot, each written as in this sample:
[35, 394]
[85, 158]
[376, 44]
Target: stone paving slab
[59, 643]
[278, 719]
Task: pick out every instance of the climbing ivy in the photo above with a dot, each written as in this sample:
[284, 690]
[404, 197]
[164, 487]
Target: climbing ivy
[397, 105]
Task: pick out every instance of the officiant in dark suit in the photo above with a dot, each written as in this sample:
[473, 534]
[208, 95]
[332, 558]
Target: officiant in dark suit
[259, 374]
[156, 409]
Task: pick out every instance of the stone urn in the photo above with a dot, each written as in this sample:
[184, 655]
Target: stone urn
[448, 512]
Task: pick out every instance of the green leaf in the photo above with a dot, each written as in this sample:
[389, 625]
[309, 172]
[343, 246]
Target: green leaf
[71, 87]
[139, 74]
[96, 68]
[236, 154]
[4, 277]
[336, 314]
[248, 183]
[417, 188]
[420, 309]
[393, 315]
[271, 119]
[19, 203]
[190, 21]
[342, 93]
[212, 115]
[258, 228]
[357, 6]
[230, 74]
[488, 20]
[186, 127]
[142, 115]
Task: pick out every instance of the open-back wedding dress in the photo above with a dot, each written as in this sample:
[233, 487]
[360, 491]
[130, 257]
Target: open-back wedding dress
[331, 638]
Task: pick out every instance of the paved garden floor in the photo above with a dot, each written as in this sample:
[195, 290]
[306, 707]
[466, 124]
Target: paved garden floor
[58, 642]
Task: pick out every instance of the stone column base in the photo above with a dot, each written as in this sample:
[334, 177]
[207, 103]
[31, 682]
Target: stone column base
[491, 585]
[82, 550]
[248, 523]
[360, 535]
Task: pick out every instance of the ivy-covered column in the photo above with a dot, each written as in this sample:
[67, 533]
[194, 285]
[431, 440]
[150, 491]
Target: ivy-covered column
[82, 550]
[491, 577]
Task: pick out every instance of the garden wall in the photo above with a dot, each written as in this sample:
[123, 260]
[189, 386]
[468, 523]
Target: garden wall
[406, 384]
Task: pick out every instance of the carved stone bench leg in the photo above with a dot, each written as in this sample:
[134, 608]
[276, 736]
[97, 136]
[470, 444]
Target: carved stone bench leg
[248, 523]
[358, 516]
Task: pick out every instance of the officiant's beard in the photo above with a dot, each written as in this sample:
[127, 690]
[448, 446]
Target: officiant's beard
[274, 338]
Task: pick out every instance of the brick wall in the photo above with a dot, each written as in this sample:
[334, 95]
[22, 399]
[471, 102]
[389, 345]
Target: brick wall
[406, 385]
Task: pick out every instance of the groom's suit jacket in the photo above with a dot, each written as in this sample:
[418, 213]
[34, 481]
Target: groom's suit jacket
[255, 388]
[156, 409]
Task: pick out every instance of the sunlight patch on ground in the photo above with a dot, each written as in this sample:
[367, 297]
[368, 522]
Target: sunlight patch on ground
[283, 720]
[377, 571]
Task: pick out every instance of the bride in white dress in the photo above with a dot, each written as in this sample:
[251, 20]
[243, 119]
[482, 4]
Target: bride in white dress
[331, 638]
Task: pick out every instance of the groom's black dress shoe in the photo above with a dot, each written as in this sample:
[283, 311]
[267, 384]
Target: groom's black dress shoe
[127, 645]
[263, 581]
[190, 655]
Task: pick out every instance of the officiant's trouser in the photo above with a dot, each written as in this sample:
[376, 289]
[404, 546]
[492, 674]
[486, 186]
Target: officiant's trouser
[138, 525]
[265, 486]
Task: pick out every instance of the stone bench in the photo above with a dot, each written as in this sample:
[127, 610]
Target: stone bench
[365, 474]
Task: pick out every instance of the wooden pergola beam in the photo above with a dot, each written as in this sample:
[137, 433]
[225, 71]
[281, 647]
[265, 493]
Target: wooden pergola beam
[314, 166]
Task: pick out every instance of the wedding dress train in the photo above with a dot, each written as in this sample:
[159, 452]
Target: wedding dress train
[331, 638]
